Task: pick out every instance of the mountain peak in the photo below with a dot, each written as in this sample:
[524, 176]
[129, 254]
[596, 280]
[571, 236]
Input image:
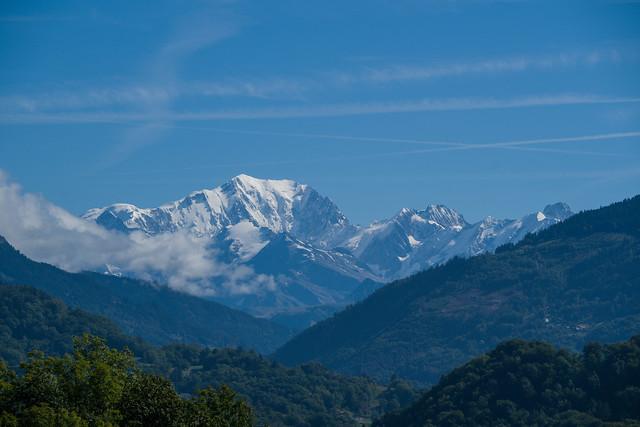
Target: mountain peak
[285, 188]
[248, 180]
[253, 181]
[445, 217]
[279, 205]
[245, 177]
[558, 210]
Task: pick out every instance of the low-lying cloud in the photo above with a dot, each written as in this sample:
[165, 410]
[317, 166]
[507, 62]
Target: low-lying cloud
[47, 233]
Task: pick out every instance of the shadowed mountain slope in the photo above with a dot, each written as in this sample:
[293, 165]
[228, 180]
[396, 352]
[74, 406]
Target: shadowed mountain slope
[154, 313]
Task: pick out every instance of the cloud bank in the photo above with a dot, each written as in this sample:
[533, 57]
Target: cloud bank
[47, 233]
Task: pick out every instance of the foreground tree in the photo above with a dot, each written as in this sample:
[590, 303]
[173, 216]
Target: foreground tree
[99, 386]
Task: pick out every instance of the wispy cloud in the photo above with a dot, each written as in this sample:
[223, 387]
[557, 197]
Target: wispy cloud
[192, 34]
[136, 95]
[323, 110]
[487, 66]
[163, 85]
[35, 18]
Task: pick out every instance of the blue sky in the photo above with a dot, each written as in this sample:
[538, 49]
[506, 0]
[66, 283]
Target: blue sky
[490, 107]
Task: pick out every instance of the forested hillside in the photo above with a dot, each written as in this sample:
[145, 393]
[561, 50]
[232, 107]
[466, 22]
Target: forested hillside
[280, 396]
[534, 384]
[576, 282]
[153, 312]
[305, 395]
[32, 320]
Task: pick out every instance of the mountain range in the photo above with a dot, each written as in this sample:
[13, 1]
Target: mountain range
[575, 282]
[318, 259]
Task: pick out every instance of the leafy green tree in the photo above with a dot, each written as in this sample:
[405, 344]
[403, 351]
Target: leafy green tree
[88, 382]
[150, 400]
[8, 420]
[96, 376]
[43, 415]
[99, 386]
[218, 408]
[7, 386]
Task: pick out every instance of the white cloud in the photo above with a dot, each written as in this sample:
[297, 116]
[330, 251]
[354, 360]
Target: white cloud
[48, 233]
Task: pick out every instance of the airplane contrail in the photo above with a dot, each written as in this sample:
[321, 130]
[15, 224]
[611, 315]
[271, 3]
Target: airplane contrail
[447, 146]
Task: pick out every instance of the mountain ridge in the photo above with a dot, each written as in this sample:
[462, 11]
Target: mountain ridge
[144, 309]
[571, 283]
[242, 217]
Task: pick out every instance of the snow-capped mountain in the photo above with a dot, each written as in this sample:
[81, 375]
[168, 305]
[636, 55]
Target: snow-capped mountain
[387, 245]
[437, 234]
[302, 240]
[279, 228]
[239, 209]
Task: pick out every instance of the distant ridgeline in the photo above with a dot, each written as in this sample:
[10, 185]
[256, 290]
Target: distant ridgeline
[575, 282]
[155, 313]
[279, 396]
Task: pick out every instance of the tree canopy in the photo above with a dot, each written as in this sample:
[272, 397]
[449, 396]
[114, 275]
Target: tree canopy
[524, 383]
[100, 386]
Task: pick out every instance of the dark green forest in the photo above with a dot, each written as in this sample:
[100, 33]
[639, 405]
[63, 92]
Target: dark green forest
[524, 383]
[32, 320]
[95, 385]
[307, 395]
[576, 282]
